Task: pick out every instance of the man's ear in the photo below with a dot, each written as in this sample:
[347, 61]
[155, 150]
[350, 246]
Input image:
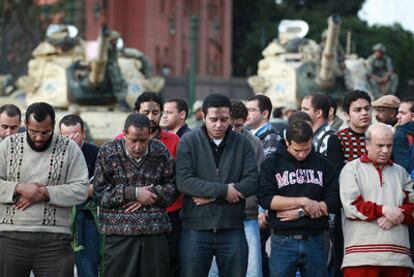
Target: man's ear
[319, 113]
[347, 117]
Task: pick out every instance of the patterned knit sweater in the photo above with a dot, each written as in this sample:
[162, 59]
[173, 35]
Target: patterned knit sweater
[117, 176]
[353, 144]
[364, 189]
[61, 168]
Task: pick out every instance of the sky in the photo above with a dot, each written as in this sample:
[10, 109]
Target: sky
[388, 12]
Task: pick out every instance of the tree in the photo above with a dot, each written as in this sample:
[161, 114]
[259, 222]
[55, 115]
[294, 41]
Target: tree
[22, 27]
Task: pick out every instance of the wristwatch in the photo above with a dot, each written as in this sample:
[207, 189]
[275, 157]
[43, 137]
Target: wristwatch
[301, 212]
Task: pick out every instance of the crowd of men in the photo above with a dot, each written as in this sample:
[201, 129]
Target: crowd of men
[162, 199]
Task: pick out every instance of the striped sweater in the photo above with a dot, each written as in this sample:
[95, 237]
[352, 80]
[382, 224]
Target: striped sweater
[364, 189]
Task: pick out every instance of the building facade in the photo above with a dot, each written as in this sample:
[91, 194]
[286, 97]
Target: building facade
[161, 30]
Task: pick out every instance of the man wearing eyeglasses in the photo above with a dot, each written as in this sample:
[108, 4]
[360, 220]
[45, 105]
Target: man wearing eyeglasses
[42, 176]
[260, 108]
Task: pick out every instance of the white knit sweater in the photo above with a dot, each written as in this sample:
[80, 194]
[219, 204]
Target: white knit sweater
[61, 167]
[364, 190]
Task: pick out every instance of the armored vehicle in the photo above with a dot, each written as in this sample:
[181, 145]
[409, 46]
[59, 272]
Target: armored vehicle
[102, 85]
[294, 66]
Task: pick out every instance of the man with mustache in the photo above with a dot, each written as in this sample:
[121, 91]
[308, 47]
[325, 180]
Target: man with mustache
[151, 104]
[42, 176]
[386, 109]
[134, 183]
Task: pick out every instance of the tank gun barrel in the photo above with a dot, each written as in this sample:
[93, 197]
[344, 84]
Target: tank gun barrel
[326, 73]
[98, 65]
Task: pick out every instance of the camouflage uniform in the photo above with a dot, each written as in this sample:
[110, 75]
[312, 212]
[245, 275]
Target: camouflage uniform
[380, 67]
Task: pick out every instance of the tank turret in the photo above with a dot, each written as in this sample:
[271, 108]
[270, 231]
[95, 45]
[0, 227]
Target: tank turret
[294, 66]
[329, 55]
[103, 84]
[98, 65]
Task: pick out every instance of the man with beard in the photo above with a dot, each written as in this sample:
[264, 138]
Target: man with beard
[386, 109]
[10, 117]
[42, 176]
[151, 105]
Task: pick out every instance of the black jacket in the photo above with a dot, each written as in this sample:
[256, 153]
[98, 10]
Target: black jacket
[281, 174]
[90, 152]
[401, 144]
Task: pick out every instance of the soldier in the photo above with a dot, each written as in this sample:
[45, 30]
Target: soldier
[381, 74]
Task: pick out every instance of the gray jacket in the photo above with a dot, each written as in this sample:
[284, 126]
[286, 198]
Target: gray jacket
[252, 208]
[197, 176]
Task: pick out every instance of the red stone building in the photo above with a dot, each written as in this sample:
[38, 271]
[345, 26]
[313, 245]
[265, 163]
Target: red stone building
[161, 30]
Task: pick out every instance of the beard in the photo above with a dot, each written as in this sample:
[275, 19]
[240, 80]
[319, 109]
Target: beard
[154, 126]
[42, 148]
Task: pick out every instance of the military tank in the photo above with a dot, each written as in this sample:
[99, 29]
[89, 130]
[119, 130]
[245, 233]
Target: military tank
[102, 87]
[294, 66]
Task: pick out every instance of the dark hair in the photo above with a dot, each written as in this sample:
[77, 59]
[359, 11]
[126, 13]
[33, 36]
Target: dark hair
[333, 103]
[300, 116]
[353, 96]
[264, 103]
[238, 110]
[320, 101]
[11, 110]
[216, 100]
[299, 131]
[277, 112]
[181, 105]
[40, 111]
[137, 120]
[149, 96]
[72, 120]
[409, 100]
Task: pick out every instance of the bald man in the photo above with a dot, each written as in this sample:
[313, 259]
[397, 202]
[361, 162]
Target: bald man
[377, 199]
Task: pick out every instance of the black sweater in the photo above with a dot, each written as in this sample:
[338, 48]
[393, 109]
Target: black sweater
[281, 174]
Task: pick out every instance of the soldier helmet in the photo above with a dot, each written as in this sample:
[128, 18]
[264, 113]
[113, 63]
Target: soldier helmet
[114, 35]
[379, 47]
